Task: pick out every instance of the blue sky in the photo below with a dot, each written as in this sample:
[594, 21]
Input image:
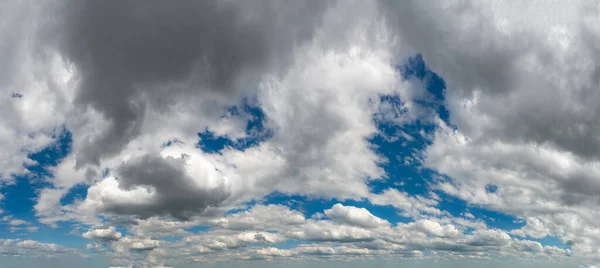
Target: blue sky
[299, 134]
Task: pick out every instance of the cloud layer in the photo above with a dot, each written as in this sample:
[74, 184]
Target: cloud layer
[187, 121]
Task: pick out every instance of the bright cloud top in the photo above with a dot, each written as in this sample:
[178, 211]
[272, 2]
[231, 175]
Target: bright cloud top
[172, 133]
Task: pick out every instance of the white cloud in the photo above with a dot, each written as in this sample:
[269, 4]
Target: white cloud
[411, 206]
[109, 233]
[435, 229]
[18, 222]
[35, 85]
[33, 248]
[354, 216]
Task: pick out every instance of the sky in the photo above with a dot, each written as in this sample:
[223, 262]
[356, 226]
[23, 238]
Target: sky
[271, 133]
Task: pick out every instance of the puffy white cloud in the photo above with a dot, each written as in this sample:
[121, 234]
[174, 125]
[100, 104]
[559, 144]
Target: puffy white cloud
[354, 216]
[261, 217]
[272, 252]
[435, 229]
[109, 233]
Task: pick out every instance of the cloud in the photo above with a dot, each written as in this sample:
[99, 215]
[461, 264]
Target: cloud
[33, 248]
[153, 185]
[261, 217]
[354, 216]
[435, 229]
[106, 234]
[411, 206]
[125, 244]
[17, 222]
[34, 88]
[125, 62]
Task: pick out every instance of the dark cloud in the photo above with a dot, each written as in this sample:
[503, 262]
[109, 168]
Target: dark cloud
[485, 63]
[130, 52]
[497, 63]
[174, 192]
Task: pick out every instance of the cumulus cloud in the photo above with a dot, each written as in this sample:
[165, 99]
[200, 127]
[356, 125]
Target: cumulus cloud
[109, 233]
[354, 216]
[153, 185]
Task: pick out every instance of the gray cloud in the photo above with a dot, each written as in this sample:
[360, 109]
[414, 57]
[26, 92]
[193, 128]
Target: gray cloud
[174, 193]
[518, 64]
[131, 54]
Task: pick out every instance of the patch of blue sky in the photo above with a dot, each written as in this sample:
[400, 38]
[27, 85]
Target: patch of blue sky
[402, 145]
[77, 192]
[21, 197]
[198, 229]
[255, 130]
[63, 234]
[415, 67]
[491, 188]
[241, 208]
[51, 155]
